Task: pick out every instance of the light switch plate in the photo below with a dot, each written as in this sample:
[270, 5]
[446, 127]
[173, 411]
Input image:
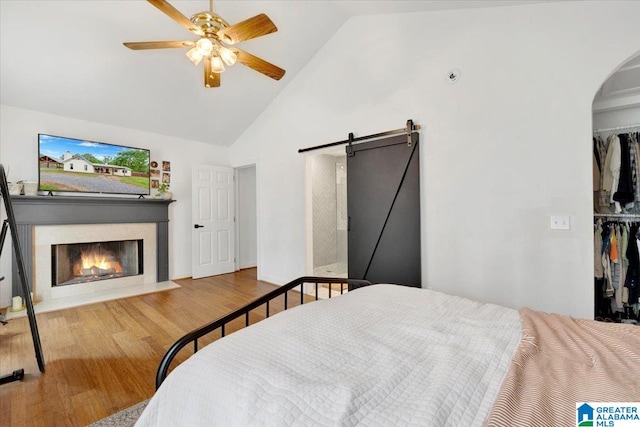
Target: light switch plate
[560, 222]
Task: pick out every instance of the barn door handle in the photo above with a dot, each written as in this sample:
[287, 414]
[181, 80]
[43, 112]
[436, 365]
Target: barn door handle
[198, 226]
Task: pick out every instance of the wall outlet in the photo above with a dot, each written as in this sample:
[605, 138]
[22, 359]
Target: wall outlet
[560, 222]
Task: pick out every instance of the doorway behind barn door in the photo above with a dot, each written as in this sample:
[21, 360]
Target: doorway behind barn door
[327, 216]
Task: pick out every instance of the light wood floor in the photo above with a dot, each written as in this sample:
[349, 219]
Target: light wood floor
[102, 358]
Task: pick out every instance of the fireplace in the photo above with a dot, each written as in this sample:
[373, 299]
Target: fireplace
[55, 244]
[45, 221]
[76, 263]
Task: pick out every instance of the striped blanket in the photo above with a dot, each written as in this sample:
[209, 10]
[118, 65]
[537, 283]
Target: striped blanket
[563, 361]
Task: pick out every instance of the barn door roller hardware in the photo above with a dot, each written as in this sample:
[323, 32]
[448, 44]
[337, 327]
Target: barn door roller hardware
[409, 129]
[350, 146]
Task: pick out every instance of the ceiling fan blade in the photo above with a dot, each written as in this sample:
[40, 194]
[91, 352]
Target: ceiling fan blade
[260, 65]
[158, 45]
[211, 79]
[175, 14]
[251, 28]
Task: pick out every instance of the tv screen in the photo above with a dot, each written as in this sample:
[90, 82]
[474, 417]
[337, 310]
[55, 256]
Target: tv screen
[67, 164]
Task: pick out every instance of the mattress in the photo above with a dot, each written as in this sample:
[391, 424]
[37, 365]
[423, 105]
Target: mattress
[377, 356]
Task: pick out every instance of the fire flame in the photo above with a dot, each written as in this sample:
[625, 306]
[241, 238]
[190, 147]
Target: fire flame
[93, 260]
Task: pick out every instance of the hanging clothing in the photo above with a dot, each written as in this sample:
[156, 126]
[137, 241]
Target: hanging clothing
[624, 193]
[597, 251]
[600, 198]
[596, 180]
[606, 261]
[618, 276]
[633, 163]
[611, 171]
[633, 272]
[636, 146]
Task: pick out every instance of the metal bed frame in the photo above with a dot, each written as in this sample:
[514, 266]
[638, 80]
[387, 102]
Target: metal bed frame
[220, 322]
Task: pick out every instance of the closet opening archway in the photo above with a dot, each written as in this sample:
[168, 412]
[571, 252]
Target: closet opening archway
[616, 194]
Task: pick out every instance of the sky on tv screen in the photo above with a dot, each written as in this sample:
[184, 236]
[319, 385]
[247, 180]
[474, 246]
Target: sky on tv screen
[55, 146]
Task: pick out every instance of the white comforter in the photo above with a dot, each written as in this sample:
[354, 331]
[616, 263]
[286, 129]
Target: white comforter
[382, 355]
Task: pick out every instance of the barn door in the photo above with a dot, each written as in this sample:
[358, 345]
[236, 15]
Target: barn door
[383, 200]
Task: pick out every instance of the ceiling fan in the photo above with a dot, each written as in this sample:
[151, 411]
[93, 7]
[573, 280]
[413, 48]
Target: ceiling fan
[215, 45]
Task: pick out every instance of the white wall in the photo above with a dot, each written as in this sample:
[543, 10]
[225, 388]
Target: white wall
[19, 130]
[502, 149]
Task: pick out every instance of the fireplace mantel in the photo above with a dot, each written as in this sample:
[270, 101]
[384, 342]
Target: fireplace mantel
[60, 210]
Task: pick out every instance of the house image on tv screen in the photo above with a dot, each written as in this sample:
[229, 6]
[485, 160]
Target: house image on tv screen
[78, 163]
[74, 165]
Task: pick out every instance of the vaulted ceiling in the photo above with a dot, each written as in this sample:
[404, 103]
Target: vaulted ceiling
[67, 58]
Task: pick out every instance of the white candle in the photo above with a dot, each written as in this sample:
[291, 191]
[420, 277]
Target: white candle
[16, 303]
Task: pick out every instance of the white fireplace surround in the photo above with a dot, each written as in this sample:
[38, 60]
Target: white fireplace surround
[43, 221]
[44, 236]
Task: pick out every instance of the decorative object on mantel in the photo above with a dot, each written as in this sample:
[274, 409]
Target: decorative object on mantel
[160, 173]
[29, 188]
[15, 188]
[16, 303]
[163, 192]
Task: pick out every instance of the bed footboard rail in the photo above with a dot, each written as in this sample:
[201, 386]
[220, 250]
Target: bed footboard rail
[220, 323]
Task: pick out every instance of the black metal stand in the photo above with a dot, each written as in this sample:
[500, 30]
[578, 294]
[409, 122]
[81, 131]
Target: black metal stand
[10, 223]
[16, 375]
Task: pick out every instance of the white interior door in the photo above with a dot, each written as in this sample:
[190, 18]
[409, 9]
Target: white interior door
[213, 233]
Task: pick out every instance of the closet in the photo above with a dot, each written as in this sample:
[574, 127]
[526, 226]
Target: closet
[616, 195]
[616, 183]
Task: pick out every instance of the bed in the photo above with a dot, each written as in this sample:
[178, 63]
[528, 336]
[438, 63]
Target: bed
[387, 355]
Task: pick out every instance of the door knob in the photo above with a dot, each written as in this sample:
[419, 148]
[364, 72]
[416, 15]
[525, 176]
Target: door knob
[198, 226]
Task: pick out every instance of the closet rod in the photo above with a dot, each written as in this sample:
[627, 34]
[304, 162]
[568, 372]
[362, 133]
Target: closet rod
[617, 128]
[617, 215]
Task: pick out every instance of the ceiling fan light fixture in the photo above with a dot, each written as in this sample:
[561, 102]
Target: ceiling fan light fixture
[224, 38]
[228, 56]
[215, 42]
[205, 46]
[216, 64]
[195, 55]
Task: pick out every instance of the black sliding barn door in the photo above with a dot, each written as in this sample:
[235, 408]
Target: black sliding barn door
[383, 200]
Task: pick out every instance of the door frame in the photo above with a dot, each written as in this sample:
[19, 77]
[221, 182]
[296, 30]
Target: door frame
[236, 181]
[308, 199]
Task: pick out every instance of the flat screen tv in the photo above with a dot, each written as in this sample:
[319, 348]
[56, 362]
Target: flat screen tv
[74, 165]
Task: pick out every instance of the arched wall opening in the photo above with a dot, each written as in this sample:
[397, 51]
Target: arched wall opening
[616, 194]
